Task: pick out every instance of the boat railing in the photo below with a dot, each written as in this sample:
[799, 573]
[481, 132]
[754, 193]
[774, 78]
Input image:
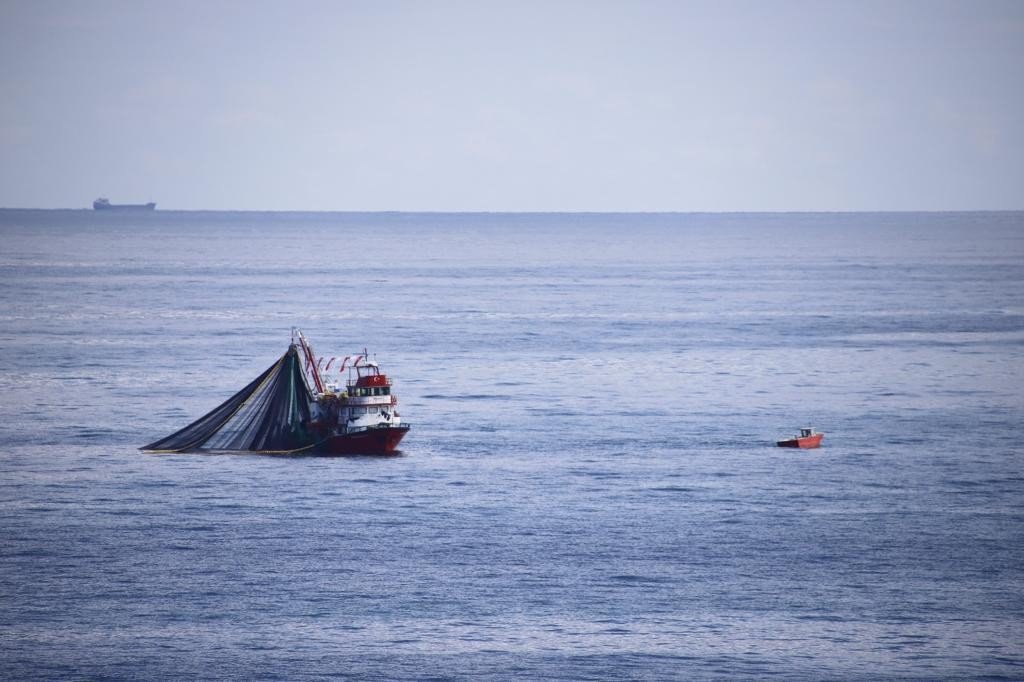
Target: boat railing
[373, 427]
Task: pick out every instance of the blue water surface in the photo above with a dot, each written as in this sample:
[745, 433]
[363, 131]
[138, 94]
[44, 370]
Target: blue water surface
[590, 489]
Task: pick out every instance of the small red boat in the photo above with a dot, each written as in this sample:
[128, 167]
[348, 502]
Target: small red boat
[808, 438]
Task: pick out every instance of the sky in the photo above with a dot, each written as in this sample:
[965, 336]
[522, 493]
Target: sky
[488, 105]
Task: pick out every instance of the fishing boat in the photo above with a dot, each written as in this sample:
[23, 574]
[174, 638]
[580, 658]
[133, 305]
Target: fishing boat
[808, 438]
[360, 417]
[297, 406]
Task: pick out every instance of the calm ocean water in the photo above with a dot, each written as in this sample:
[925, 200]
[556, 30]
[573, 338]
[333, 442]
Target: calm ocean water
[590, 489]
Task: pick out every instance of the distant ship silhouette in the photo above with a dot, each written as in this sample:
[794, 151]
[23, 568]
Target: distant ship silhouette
[103, 204]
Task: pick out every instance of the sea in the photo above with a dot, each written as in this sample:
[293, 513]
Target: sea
[591, 488]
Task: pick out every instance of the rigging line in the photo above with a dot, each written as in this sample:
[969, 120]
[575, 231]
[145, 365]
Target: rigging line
[290, 452]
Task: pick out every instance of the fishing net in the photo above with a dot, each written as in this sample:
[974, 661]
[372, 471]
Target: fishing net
[271, 414]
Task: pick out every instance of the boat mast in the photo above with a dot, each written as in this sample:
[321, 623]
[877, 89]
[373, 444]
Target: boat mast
[311, 365]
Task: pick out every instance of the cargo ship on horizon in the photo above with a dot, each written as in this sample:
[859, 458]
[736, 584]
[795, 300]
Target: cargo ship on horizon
[103, 204]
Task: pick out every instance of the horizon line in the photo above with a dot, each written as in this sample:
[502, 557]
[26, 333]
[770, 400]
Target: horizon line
[528, 212]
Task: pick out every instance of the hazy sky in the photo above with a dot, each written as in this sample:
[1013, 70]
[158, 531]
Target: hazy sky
[518, 105]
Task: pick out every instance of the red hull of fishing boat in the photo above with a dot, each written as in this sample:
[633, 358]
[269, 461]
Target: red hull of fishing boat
[805, 442]
[373, 441]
